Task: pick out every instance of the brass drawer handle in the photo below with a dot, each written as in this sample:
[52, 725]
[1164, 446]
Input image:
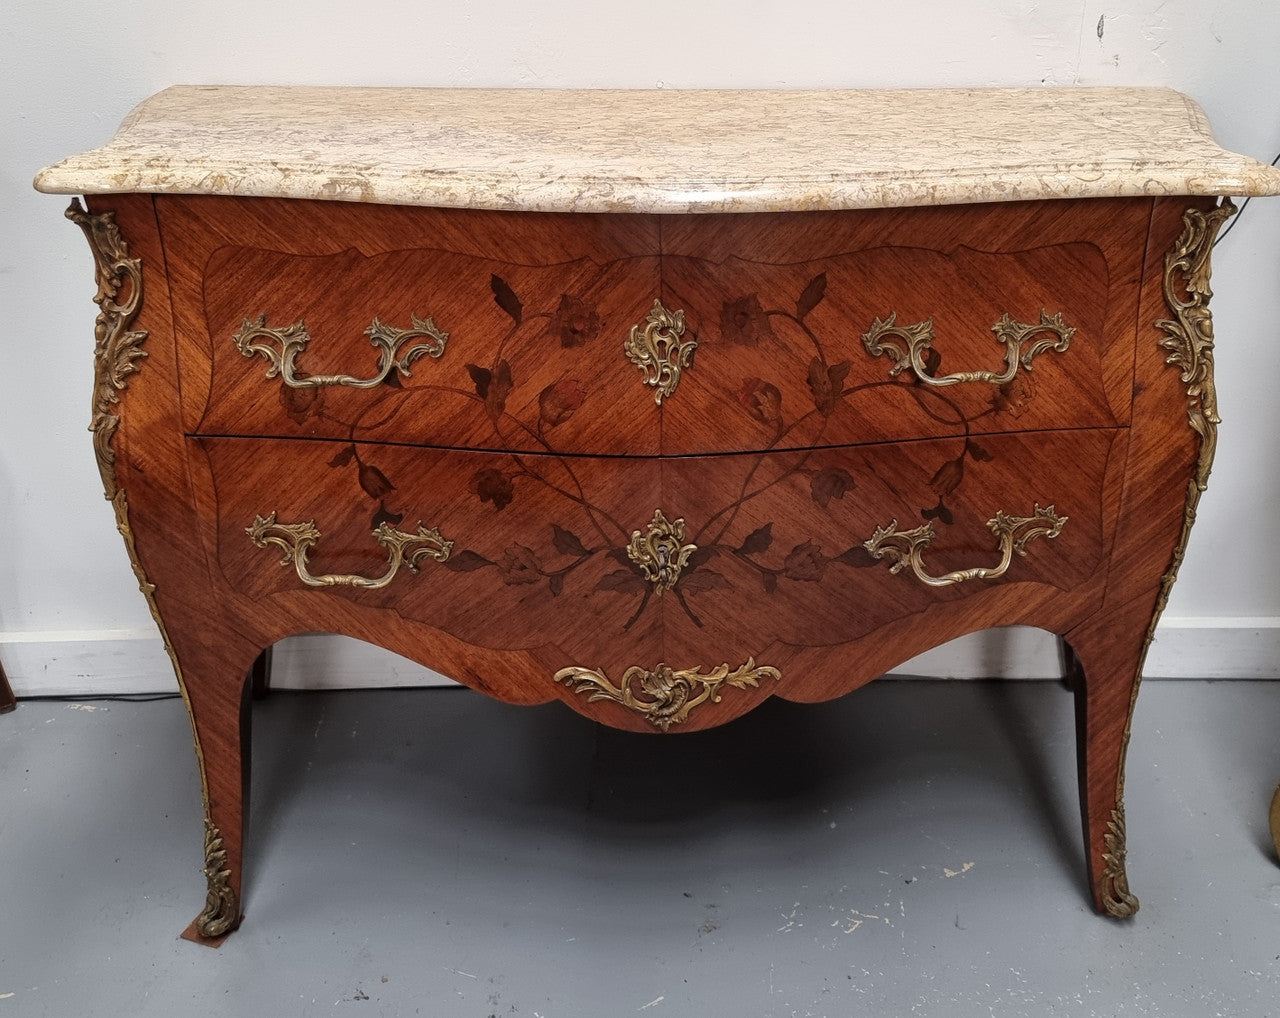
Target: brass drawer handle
[386, 339]
[655, 346]
[1053, 332]
[906, 547]
[296, 539]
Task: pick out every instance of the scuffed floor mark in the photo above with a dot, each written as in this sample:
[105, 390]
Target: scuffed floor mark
[955, 873]
[855, 918]
[83, 706]
[790, 917]
[6, 996]
[652, 1003]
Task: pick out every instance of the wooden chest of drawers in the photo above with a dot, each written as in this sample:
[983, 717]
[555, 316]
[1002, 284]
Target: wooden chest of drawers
[581, 443]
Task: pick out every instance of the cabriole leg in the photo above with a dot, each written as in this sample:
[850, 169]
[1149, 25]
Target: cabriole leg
[1105, 682]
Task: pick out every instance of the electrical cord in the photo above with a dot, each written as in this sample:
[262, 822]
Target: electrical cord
[116, 697]
[1236, 218]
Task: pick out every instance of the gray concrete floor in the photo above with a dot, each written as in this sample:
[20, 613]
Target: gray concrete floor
[912, 849]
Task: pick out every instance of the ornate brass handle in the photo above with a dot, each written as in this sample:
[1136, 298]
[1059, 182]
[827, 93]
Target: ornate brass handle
[1053, 334]
[664, 696]
[906, 547]
[655, 346]
[296, 539]
[386, 339]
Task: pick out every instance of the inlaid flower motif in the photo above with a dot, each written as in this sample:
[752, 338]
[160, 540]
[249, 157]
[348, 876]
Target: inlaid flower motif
[560, 400]
[948, 476]
[299, 404]
[519, 565]
[574, 322]
[829, 483]
[1014, 396]
[826, 382]
[761, 400]
[493, 486]
[806, 563]
[744, 322]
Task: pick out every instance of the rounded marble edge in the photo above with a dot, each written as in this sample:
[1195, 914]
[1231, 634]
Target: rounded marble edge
[500, 193]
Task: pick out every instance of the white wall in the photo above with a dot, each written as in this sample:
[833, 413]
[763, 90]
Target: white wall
[70, 615]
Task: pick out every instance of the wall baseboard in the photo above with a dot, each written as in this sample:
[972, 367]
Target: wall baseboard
[114, 662]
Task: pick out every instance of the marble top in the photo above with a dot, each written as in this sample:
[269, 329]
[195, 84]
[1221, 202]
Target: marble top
[664, 151]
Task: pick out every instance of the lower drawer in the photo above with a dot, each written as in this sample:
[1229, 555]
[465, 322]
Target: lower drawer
[802, 549]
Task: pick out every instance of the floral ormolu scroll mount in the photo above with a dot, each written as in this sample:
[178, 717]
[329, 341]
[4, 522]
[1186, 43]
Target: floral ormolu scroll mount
[917, 343]
[221, 913]
[906, 547]
[116, 345]
[658, 348]
[1189, 334]
[660, 552]
[664, 696]
[397, 350]
[1117, 899]
[295, 541]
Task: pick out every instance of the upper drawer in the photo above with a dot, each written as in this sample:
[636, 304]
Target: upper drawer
[528, 332]
[835, 328]
[471, 330]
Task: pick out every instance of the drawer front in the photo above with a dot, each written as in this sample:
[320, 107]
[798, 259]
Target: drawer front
[573, 334]
[698, 562]
[880, 326]
[829, 547]
[525, 551]
[413, 325]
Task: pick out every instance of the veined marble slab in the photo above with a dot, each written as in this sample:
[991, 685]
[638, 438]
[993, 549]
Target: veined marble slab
[664, 151]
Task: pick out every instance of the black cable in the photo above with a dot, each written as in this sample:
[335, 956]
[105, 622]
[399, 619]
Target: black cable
[1243, 205]
[117, 697]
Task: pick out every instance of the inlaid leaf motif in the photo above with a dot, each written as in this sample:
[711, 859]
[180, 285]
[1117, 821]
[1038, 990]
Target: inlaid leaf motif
[343, 456]
[567, 543]
[495, 401]
[703, 579]
[932, 362]
[385, 515]
[858, 557]
[574, 322]
[979, 453]
[812, 295]
[744, 322]
[374, 481]
[466, 562]
[829, 483]
[624, 581]
[700, 557]
[481, 378]
[492, 486]
[806, 563]
[758, 540]
[939, 512]
[555, 582]
[506, 298]
[560, 400]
